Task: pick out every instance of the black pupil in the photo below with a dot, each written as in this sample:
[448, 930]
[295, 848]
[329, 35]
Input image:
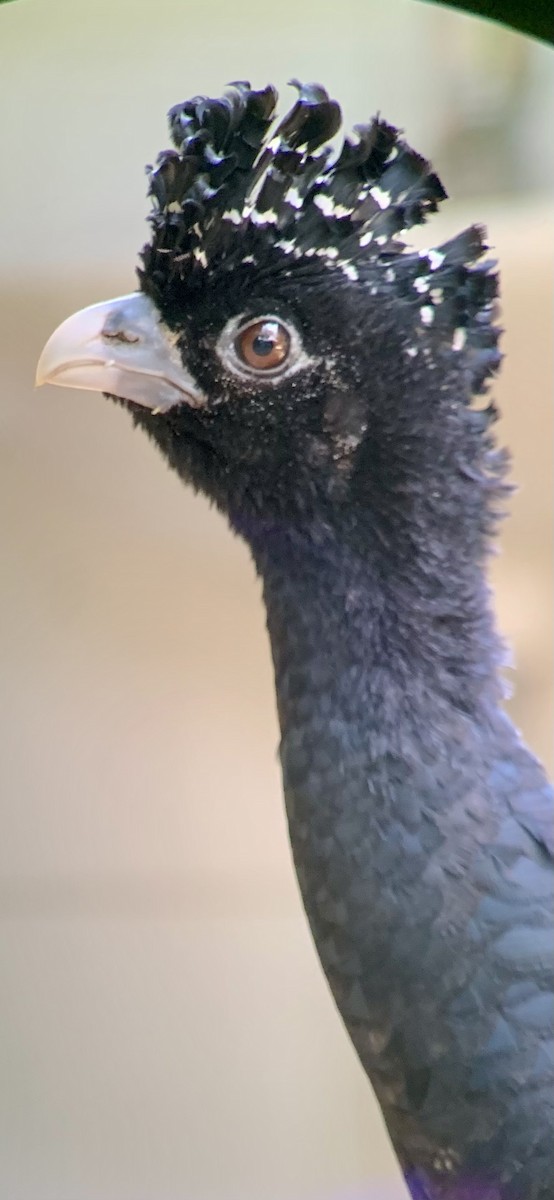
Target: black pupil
[264, 343]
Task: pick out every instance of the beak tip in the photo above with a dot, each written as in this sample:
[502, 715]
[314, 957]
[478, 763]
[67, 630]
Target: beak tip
[43, 367]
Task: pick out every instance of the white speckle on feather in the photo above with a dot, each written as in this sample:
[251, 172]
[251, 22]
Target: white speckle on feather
[446, 1160]
[293, 197]
[411, 351]
[381, 197]
[200, 256]
[459, 339]
[422, 284]
[248, 258]
[265, 218]
[427, 314]
[325, 204]
[327, 252]
[174, 207]
[232, 215]
[436, 258]
[348, 269]
[274, 144]
[437, 295]
[366, 238]
[287, 247]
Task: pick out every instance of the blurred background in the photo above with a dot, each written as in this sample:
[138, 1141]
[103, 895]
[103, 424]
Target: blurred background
[165, 1030]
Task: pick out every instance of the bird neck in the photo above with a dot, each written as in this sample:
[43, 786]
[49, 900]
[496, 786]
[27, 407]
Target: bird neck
[384, 704]
[383, 649]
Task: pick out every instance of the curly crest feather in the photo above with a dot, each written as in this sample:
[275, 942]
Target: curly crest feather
[237, 188]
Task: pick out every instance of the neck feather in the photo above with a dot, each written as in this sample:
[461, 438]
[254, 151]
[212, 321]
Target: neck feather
[373, 643]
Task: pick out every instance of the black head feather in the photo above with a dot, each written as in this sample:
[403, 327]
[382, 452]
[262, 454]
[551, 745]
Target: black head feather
[235, 188]
[252, 216]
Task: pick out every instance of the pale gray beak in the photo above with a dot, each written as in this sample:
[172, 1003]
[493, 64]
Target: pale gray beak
[122, 347]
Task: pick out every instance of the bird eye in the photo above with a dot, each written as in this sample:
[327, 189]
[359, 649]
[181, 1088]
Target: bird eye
[263, 345]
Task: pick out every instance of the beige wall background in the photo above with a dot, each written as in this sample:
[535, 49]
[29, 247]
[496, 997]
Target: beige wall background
[165, 1030]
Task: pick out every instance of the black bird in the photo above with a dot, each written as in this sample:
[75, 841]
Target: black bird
[315, 378]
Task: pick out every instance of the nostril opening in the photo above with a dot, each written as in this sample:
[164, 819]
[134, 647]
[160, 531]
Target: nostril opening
[120, 335]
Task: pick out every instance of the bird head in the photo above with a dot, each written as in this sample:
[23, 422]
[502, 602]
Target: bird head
[286, 349]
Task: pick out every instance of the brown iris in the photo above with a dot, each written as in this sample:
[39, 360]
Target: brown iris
[263, 345]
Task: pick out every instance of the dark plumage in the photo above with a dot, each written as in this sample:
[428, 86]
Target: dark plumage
[318, 383]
